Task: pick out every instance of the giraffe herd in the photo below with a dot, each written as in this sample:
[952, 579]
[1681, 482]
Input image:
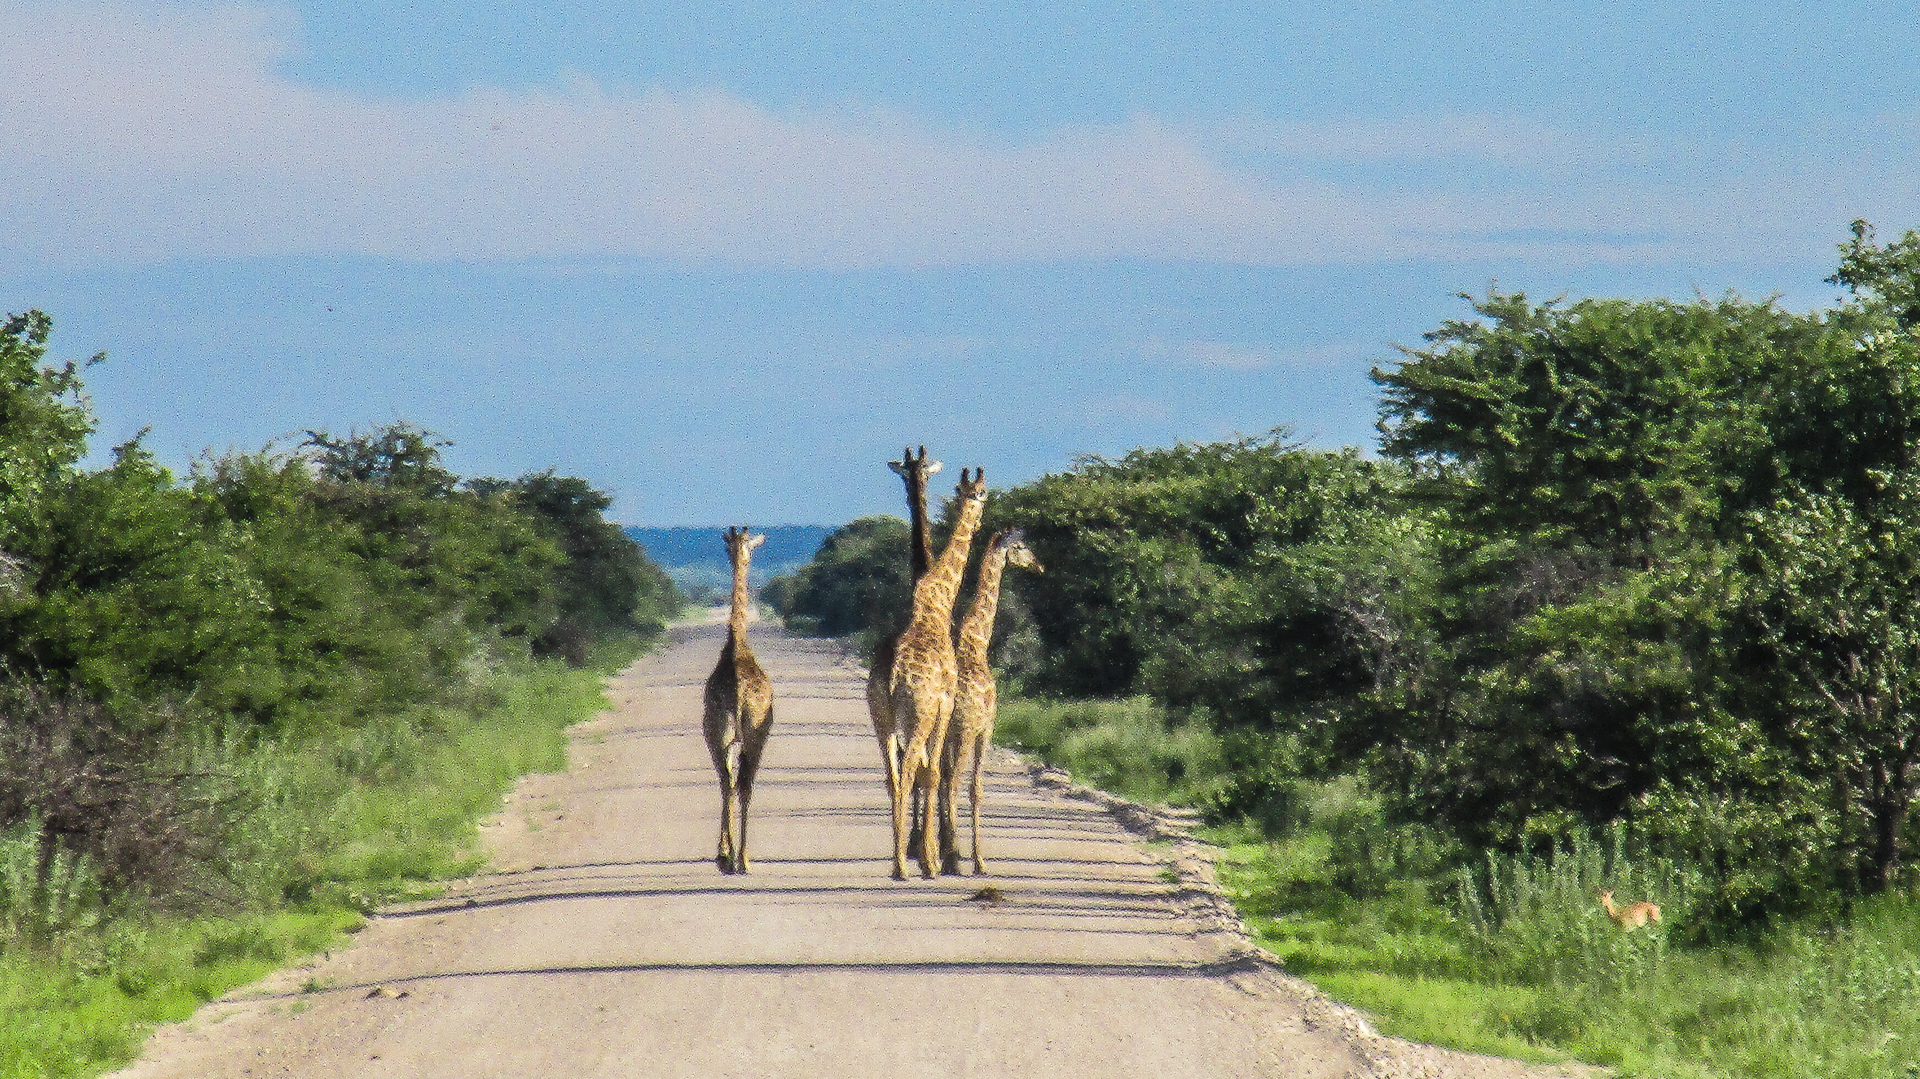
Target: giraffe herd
[932, 700]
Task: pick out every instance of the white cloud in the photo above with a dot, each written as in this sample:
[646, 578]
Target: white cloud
[131, 133]
[1218, 355]
[1441, 137]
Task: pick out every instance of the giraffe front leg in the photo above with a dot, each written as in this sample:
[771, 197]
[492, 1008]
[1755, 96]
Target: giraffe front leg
[916, 817]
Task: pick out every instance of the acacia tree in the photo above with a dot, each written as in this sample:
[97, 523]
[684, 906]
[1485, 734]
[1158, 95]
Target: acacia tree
[1243, 580]
[1600, 427]
[1579, 462]
[1838, 601]
[1836, 559]
[1885, 277]
[43, 420]
[606, 584]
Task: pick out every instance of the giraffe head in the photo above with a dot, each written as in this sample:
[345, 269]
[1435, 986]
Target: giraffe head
[971, 490]
[908, 465]
[1014, 542]
[741, 542]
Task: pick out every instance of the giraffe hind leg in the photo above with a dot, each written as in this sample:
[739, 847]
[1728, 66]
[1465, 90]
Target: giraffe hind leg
[950, 753]
[909, 775]
[927, 782]
[749, 767]
[723, 856]
[917, 817]
[979, 755]
[890, 760]
[933, 750]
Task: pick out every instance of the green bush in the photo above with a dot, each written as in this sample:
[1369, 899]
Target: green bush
[858, 583]
[1234, 577]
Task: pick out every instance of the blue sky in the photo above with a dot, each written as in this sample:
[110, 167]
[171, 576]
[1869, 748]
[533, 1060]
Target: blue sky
[724, 262]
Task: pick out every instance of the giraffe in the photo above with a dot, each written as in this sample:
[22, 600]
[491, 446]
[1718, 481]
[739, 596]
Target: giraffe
[924, 675]
[739, 711]
[976, 697]
[914, 472]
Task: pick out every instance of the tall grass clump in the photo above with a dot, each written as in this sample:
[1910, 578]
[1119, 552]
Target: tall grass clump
[1536, 917]
[1133, 747]
[44, 891]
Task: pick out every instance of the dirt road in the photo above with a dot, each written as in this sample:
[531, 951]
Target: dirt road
[608, 945]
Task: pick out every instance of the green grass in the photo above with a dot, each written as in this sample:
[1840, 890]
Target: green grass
[81, 1007]
[1128, 747]
[415, 820]
[1513, 956]
[1557, 980]
[345, 822]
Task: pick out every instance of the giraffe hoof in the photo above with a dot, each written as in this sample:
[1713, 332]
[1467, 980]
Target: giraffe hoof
[979, 869]
[723, 863]
[899, 874]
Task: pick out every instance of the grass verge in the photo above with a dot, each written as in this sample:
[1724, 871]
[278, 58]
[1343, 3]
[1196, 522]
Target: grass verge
[1128, 747]
[345, 822]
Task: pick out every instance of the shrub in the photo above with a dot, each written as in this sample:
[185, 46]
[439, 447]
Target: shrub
[113, 796]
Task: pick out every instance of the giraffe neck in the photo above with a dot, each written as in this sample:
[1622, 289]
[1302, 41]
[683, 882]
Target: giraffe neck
[917, 510]
[737, 618]
[976, 630]
[933, 596]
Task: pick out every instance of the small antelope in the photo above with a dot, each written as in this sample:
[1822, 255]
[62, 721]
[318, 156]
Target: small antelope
[1631, 916]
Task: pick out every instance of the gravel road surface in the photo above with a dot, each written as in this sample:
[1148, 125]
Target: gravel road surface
[606, 943]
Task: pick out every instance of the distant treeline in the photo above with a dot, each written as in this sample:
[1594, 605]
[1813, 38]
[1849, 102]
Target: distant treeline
[1620, 564]
[671, 548]
[697, 561]
[273, 596]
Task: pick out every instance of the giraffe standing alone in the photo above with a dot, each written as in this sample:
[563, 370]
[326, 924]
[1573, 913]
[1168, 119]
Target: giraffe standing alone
[976, 697]
[739, 711]
[914, 472]
[925, 675]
